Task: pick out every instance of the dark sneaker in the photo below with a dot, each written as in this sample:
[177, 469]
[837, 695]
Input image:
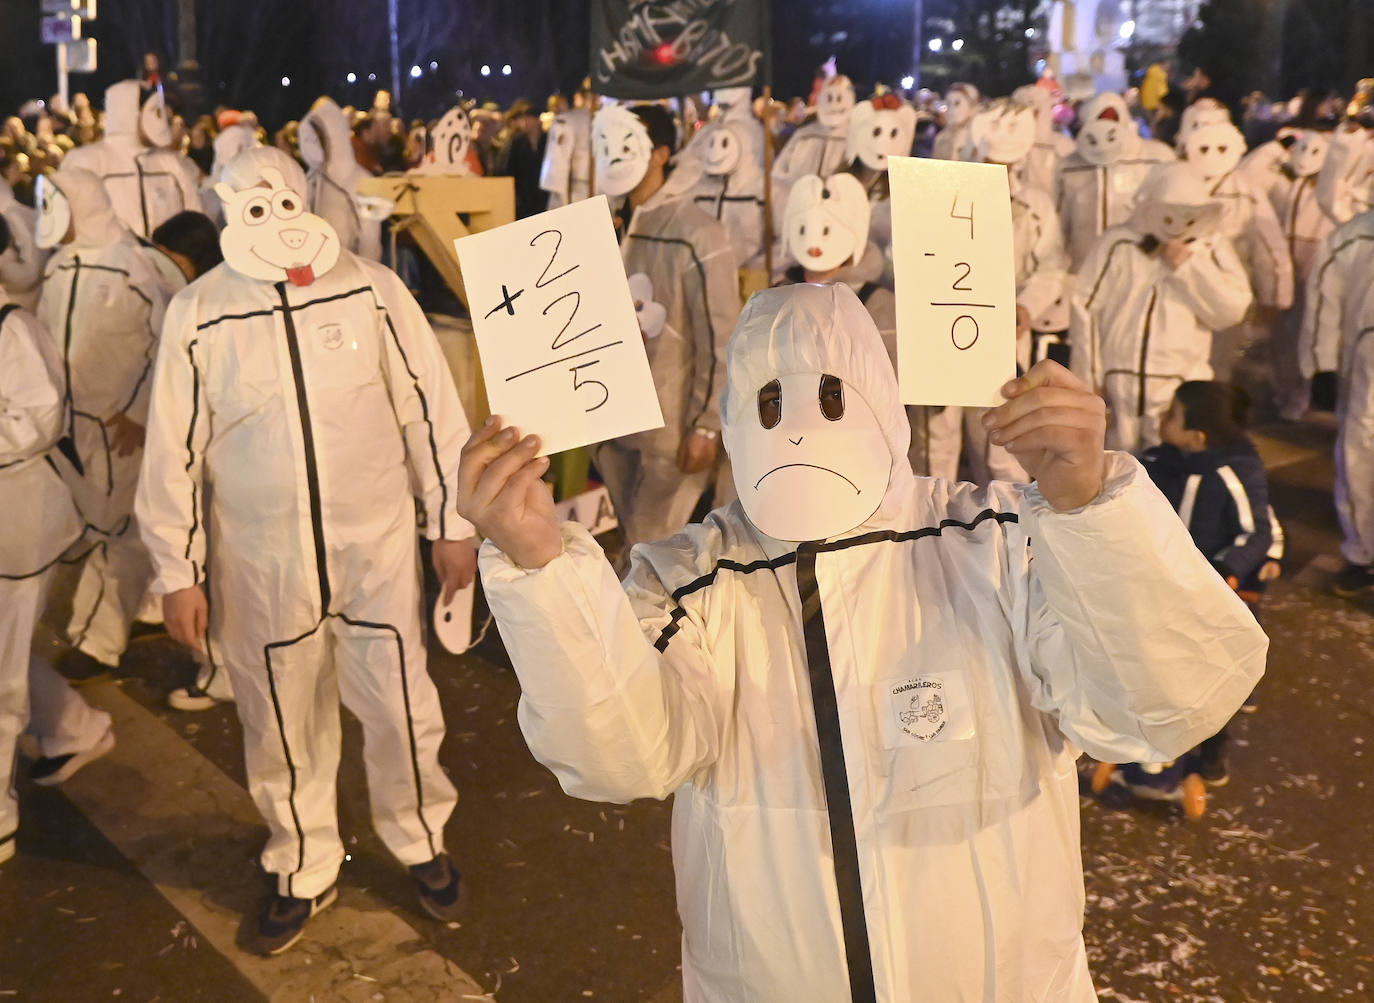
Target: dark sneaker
[282, 920]
[78, 668]
[50, 771]
[1215, 775]
[1352, 579]
[438, 883]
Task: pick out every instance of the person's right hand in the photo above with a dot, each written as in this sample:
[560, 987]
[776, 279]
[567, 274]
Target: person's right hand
[500, 491]
[186, 615]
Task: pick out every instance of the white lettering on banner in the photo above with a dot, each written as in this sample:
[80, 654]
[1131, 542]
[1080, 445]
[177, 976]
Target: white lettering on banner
[561, 349]
[698, 42]
[956, 285]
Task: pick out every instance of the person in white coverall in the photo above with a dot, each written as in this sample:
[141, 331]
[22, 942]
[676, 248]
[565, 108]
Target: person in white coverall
[103, 304]
[870, 734]
[21, 259]
[333, 174]
[41, 524]
[1147, 300]
[146, 181]
[1338, 336]
[818, 146]
[655, 478]
[301, 390]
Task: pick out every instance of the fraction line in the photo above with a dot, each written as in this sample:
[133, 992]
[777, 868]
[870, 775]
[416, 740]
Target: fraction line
[565, 358]
[985, 306]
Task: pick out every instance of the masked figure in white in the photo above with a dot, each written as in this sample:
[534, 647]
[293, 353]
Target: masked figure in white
[566, 173]
[1148, 299]
[656, 477]
[881, 127]
[869, 734]
[961, 104]
[1051, 146]
[41, 523]
[146, 181]
[1199, 115]
[333, 174]
[301, 410]
[1336, 337]
[228, 144]
[450, 142]
[1096, 186]
[1345, 185]
[21, 259]
[818, 146]
[102, 303]
[1264, 166]
[730, 152]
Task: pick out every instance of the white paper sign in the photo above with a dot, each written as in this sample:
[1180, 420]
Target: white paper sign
[956, 281]
[561, 350]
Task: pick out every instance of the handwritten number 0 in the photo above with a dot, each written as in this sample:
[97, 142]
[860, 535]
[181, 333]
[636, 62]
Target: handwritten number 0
[558, 242]
[967, 342]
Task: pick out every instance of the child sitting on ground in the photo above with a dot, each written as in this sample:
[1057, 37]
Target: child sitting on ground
[1209, 470]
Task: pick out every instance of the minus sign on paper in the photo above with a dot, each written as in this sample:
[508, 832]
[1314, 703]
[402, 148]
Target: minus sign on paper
[983, 306]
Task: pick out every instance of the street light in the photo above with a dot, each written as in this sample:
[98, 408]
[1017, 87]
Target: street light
[415, 72]
[286, 81]
[485, 70]
[957, 44]
[353, 78]
[908, 82]
[1127, 29]
[505, 70]
[935, 44]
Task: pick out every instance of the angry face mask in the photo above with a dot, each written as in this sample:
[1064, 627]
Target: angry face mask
[622, 150]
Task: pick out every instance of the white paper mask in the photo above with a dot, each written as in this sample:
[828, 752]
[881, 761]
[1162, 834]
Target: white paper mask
[1108, 131]
[835, 103]
[622, 149]
[813, 463]
[881, 127]
[155, 120]
[1308, 154]
[268, 234]
[826, 221]
[960, 104]
[1203, 112]
[450, 139]
[1004, 131]
[650, 313]
[54, 213]
[722, 148]
[1174, 204]
[1214, 150]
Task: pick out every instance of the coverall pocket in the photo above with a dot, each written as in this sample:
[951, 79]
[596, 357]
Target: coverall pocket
[930, 749]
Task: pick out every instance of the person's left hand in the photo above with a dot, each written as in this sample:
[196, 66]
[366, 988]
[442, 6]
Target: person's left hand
[697, 452]
[126, 435]
[455, 562]
[1056, 427]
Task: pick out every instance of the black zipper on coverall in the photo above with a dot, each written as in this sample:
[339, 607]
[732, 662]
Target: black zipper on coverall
[1145, 351]
[843, 840]
[312, 473]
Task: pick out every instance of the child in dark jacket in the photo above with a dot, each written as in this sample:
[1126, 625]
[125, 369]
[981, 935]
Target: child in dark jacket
[1209, 470]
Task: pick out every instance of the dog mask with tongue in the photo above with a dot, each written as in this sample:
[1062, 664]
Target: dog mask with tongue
[268, 234]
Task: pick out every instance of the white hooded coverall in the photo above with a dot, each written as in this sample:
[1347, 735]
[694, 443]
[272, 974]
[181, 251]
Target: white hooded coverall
[822, 850]
[1338, 335]
[333, 183]
[307, 414]
[147, 185]
[813, 149]
[687, 256]
[21, 264]
[103, 304]
[1140, 328]
[41, 523]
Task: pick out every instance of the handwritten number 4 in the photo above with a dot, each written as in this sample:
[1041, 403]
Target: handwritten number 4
[954, 214]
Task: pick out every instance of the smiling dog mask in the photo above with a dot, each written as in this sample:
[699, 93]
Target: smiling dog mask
[812, 418]
[268, 234]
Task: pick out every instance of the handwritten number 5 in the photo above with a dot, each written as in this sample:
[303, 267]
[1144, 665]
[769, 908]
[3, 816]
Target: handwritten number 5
[578, 384]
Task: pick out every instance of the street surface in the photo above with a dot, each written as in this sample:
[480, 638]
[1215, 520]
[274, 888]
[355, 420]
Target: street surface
[130, 881]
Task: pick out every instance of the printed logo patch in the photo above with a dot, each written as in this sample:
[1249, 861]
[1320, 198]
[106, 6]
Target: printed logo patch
[921, 706]
[331, 335]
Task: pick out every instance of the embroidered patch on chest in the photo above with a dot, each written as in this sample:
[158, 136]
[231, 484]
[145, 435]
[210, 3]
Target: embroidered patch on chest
[921, 707]
[331, 336]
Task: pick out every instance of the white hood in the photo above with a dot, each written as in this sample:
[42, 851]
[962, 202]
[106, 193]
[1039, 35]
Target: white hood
[327, 141]
[245, 170]
[93, 215]
[123, 103]
[229, 144]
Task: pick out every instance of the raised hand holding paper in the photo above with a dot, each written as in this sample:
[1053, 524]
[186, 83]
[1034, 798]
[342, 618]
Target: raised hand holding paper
[956, 288]
[561, 348]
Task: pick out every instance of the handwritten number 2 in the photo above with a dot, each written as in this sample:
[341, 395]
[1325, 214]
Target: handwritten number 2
[968, 270]
[578, 384]
[559, 341]
[558, 242]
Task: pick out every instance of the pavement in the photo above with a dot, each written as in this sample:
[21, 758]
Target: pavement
[131, 879]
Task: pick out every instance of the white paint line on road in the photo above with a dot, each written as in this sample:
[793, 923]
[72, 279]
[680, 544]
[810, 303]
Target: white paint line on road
[195, 833]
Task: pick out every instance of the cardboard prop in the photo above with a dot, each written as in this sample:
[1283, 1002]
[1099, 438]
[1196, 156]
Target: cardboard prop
[54, 213]
[268, 235]
[835, 103]
[1214, 151]
[449, 142]
[879, 128]
[621, 148]
[562, 352]
[1003, 132]
[814, 463]
[1174, 204]
[1108, 133]
[1308, 154]
[155, 120]
[956, 287]
[826, 221]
